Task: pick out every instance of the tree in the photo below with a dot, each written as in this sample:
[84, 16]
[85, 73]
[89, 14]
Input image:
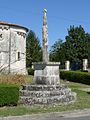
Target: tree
[75, 48]
[77, 44]
[33, 49]
[56, 51]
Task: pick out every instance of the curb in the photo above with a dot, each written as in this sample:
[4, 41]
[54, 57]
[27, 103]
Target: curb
[68, 114]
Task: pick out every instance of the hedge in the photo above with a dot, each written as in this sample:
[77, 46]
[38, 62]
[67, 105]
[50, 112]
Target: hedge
[30, 71]
[76, 76]
[9, 95]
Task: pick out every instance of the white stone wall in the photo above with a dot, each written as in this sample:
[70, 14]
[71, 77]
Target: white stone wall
[4, 46]
[13, 49]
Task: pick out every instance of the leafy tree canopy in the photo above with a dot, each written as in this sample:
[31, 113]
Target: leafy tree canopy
[75, 48]
[33, 49]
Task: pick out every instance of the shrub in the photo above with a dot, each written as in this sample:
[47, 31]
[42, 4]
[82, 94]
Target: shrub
[84, 70]
[30, 71]
[12, 79]
[76, 76]
[9, 94]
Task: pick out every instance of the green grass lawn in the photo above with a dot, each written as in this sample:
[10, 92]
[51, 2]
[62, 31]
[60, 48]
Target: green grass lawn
[82, 102]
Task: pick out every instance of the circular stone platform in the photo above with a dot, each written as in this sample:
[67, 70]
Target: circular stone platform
[46, 94]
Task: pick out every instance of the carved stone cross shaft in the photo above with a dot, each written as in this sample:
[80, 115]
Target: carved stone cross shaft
[45, 38]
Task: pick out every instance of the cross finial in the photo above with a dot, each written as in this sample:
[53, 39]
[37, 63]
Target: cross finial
[45, 10]
[45, 17]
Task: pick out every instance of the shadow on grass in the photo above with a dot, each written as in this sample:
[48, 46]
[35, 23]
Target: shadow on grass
[88, 92]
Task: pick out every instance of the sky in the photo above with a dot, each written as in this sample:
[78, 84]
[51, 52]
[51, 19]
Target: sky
[60, 15]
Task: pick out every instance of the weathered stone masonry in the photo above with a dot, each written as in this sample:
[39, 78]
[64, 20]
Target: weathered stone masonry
[12, 48]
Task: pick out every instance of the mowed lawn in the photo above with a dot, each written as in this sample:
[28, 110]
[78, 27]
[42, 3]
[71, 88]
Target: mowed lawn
[82, 102]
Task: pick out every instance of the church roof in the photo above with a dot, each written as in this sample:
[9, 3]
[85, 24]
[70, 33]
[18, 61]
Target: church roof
[15, 25]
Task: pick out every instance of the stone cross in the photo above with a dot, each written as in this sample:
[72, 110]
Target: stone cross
[45, 38]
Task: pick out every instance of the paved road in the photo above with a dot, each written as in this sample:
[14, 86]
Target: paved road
[47, 118]
[75, 115]
[79, 118]
[60, 118]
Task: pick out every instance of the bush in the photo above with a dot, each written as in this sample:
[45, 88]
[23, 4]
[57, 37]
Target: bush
[76, 76]
[84, 70]
[12, 79]
[9, 95]
[30, 71]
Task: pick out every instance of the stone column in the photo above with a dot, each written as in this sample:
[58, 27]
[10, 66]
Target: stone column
[85, 64]
[46, 73]
[67, 65]
[45, 38]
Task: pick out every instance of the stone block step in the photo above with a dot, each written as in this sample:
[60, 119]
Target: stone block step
[48, 100]
[45, 93]
[44, 87]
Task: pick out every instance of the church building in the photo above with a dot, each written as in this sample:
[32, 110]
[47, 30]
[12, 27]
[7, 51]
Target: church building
[12, 48]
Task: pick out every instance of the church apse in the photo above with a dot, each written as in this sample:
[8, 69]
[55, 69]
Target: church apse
[12, 48]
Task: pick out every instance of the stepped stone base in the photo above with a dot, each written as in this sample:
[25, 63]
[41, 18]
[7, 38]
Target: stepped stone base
[46, 94]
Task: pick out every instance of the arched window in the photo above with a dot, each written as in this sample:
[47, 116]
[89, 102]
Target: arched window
[18, 56]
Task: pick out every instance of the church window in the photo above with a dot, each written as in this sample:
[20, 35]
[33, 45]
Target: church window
[0, 35]
[18, 56]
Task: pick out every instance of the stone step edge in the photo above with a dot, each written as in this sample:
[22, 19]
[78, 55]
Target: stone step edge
[59, 96]
[44, 93]
[45, 89]
[41, 85]
[48, 100]
[56, 90]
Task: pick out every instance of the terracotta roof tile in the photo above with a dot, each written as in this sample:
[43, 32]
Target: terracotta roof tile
[10, 24]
